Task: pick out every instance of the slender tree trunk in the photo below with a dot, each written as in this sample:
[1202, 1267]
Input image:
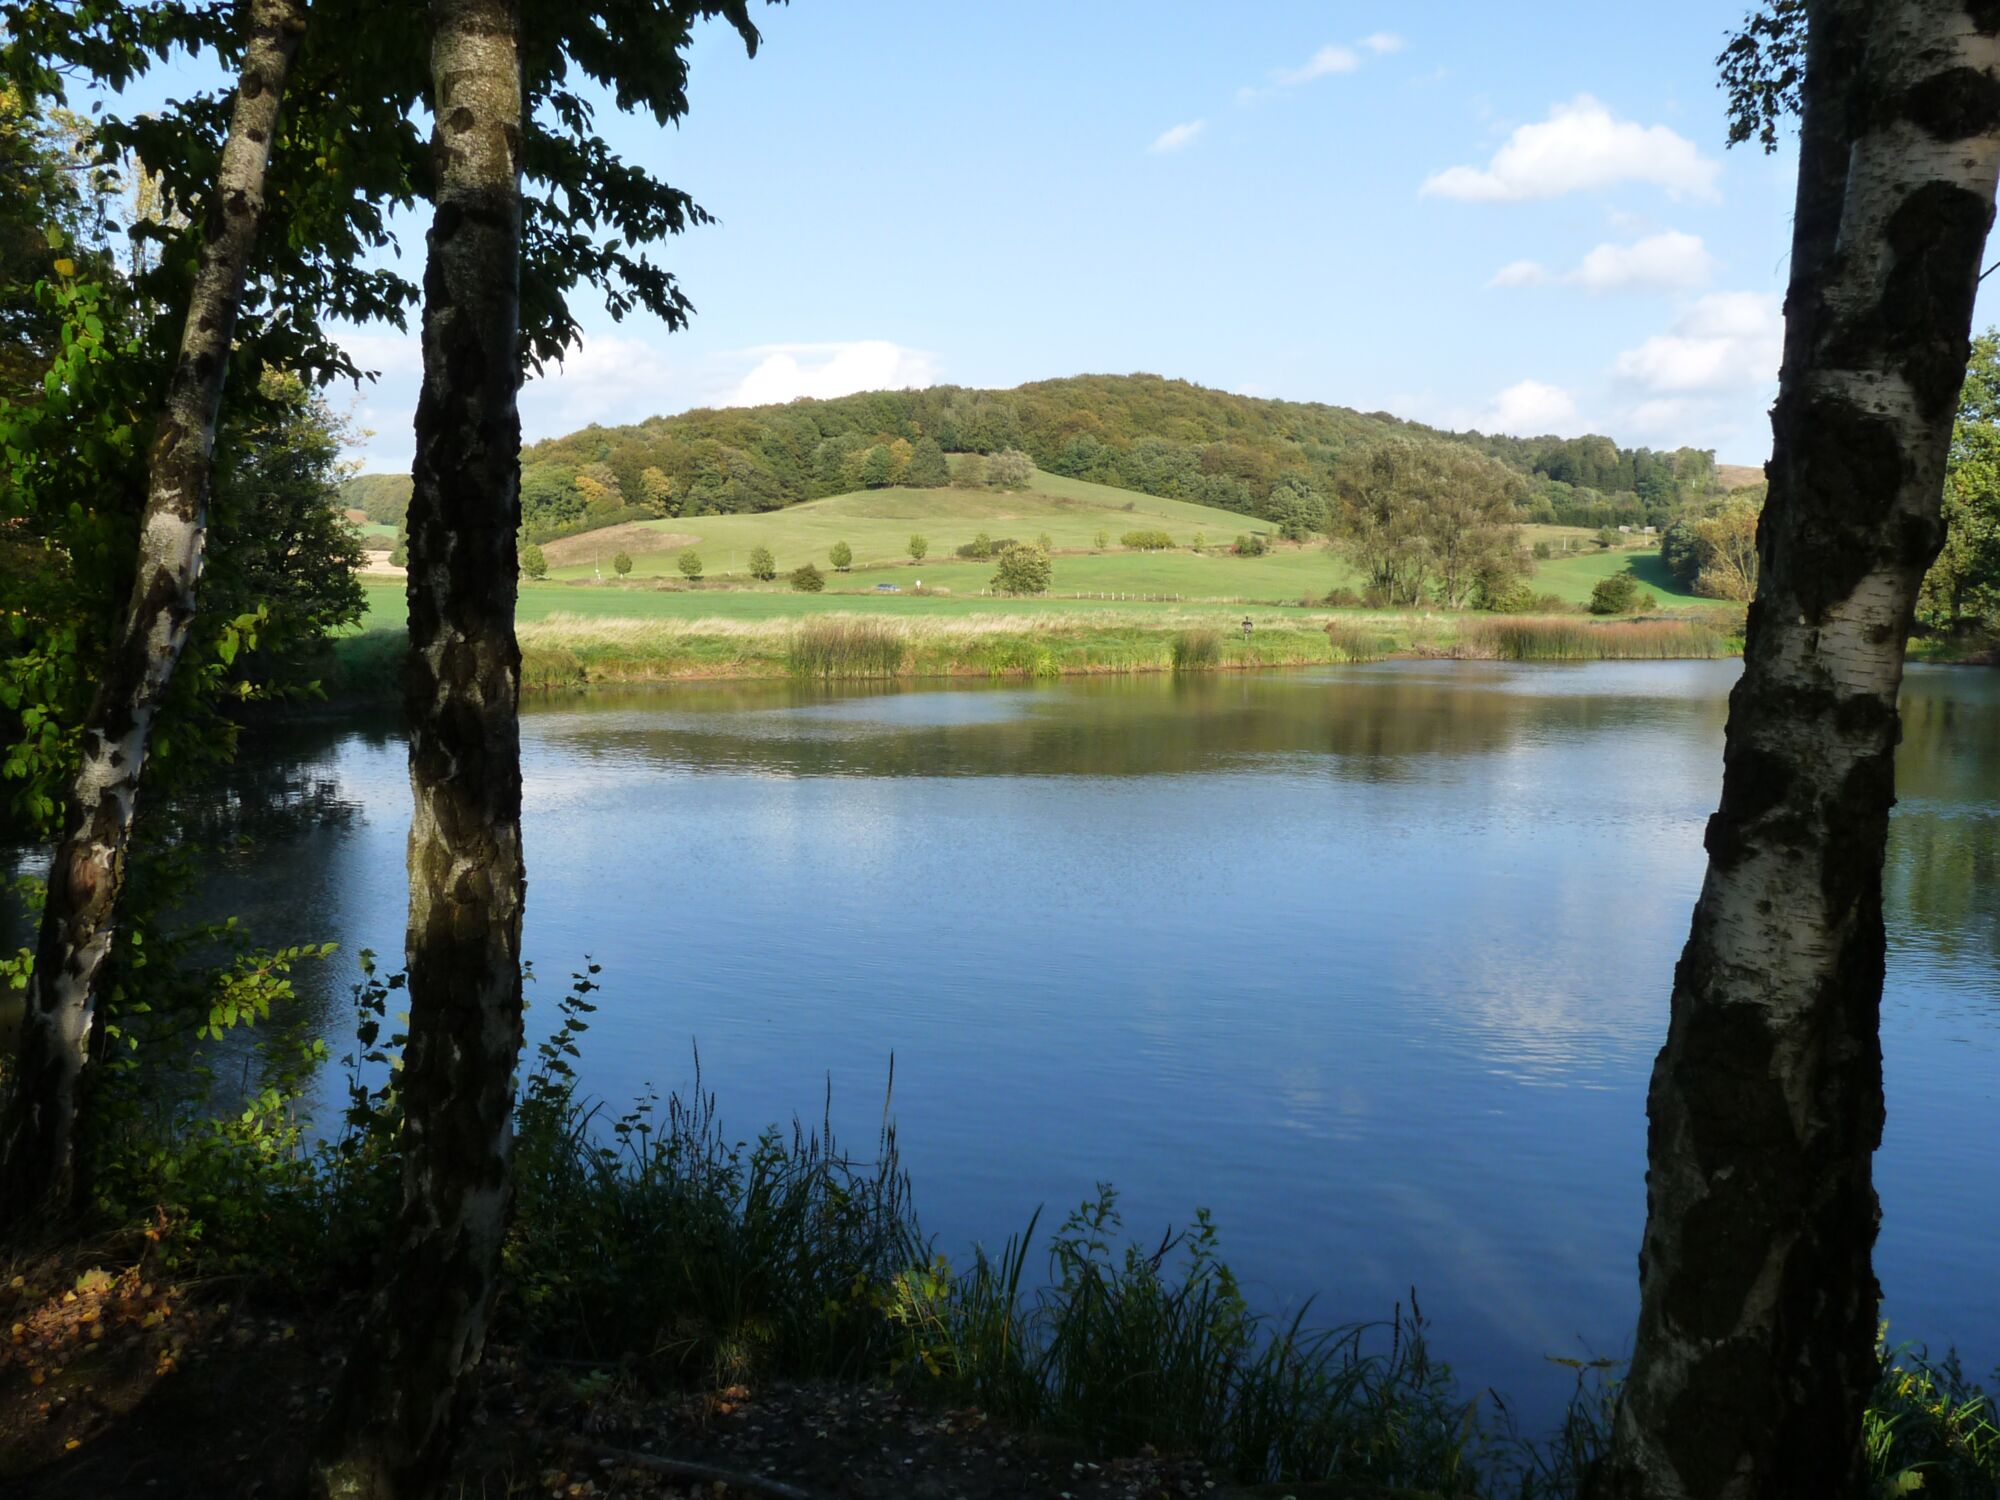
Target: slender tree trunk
[1755, 1350]
[393, 1421]
[38, 1131]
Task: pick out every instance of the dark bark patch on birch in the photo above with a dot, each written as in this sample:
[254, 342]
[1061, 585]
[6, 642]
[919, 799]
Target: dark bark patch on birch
[1841, 481]
[1755, 783]
[1952, 105]
[1721, 1403]
[1934, 235]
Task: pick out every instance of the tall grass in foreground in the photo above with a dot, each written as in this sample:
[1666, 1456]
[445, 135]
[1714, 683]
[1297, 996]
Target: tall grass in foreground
[1197, 650]
[1129, 1350]
[1521, 639]
[846, 646]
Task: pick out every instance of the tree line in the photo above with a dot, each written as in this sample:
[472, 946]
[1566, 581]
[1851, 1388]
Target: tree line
[1139, 432]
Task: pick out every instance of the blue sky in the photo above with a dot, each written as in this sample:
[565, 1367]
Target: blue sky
[1520, 217]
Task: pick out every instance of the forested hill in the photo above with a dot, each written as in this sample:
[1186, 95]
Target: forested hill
[1138, 432]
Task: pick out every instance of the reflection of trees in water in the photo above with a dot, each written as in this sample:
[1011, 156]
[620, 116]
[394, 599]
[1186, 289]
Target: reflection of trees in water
[1373, 726]
[1943, 875]
[283, 783]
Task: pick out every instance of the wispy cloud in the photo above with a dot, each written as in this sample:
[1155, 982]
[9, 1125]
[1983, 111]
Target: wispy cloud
[1332, 59]
[1581, 146]
[1668, 262]
[1323, 63]
[1178, 137]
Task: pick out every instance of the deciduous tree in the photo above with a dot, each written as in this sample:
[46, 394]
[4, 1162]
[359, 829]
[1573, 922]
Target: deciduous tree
[38, 1167]
[1755, 1349]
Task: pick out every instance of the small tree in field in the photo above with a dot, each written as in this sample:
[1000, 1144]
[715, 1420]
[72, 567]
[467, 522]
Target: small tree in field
[1617, 595]
[1102, 540]
[1022, 570]
[622, 564]
[842, 557]
[534, 564]
[689, 562]
[919, 546]
[1009, 469]
[807, 579]
[762, 564]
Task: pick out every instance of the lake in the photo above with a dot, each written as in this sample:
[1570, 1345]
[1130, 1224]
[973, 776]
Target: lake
[1370, 961]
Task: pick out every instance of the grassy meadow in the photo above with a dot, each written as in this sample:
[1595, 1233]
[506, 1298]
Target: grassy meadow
[877, 525]
[1114, 610]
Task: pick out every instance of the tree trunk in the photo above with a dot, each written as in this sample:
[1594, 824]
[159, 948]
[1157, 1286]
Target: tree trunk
[38, 1133]
[1755, 1350]
[391, 1427]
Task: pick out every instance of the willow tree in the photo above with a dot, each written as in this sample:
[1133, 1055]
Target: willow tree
[38, 1141]
[1755, 1349]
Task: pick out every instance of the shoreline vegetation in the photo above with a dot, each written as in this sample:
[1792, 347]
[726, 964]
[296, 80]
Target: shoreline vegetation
[564, 651]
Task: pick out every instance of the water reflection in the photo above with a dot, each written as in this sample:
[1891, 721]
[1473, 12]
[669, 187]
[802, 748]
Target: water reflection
[1370, 961]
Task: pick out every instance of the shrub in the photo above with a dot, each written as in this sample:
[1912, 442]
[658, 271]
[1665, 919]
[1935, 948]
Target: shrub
[1102, 540]
[1343, 598]
[918, 546]
[762, 564]
[1251, 544]
[1009, 469]
[1197, 650]
[841, 556]
[1606, 537]
[1513, 597]
[534, 563]
[983, 546]
[969, 473]
[689, 562]
[1022, 570]
[1045, 542]
[807, 579]
[1146, 541]
[1617, 595]
[1543, 552]
[1200, 541]
[622, 564]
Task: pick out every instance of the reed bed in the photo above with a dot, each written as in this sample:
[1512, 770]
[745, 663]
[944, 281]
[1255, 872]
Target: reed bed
[1529, 639]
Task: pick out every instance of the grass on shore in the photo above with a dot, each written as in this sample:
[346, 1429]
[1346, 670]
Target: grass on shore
[573, 651]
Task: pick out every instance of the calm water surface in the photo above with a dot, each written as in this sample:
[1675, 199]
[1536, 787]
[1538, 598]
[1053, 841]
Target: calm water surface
[1370, 961]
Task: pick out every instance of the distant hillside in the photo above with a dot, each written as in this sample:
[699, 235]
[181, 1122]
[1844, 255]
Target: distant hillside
[1167, 438]
[1739, 476]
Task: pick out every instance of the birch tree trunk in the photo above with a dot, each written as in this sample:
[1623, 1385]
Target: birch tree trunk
[393, 1420]
[38, 1129]
[1755, 1349]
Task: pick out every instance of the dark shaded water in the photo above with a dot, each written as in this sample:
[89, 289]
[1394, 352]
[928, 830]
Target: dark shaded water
[1370, 961]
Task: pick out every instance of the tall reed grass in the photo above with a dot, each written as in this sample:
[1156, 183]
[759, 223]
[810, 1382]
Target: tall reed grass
[1526, 639]
[1197, 650]
[846, 646]
[1351, 642]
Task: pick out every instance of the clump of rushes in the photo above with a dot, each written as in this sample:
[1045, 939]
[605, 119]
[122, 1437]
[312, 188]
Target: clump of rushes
[1197, 650]
[846, 646]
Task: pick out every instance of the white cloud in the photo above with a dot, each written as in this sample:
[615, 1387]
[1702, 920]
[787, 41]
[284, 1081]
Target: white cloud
[1522, 273]
[1580, 147]
[1178, 136]
[784, 372]
[1529, 408]
[1326, 61]
[1383, 41]
[607, 378]
[1722, 342]
[1667, 262]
